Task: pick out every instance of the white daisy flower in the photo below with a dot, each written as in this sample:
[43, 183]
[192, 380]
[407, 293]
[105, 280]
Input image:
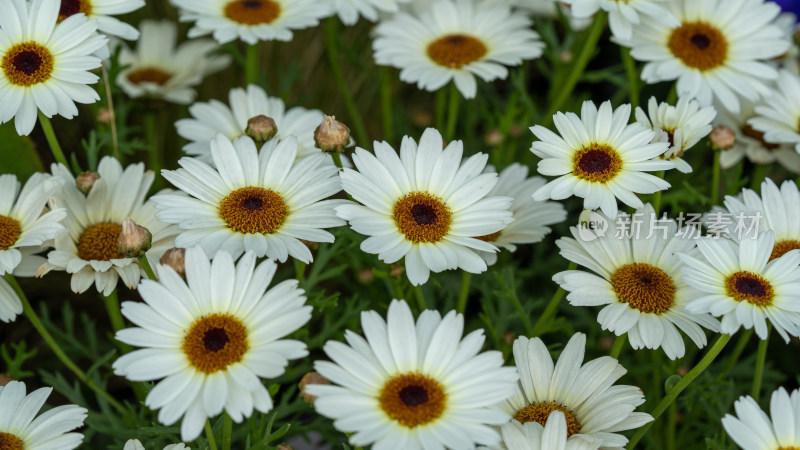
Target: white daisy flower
[250, 20]
[414, 385]
[255, 200]
[88, 247]
[599, 157]
[754, 430]
[585, 393]
[349, 10]
[531, 217]
[134, 444]
[552, 436]
[456, 40]
[101, 11]
[713, 56]
[778, 116]
[214, 117]
[682, 126]
[10, 303]
[211, 338]
[738, 281]
[45, 66]
[20, 430]
[425, 205]
[624, 15]
[637, 275]
[161, 69]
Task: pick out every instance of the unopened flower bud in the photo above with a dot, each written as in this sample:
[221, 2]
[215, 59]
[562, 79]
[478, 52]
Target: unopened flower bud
[285, 447]
[494, 138]
[5, 379]
[261, 128]
[508, 337]
[86, 181]
[365, 276]
[104, 115]
[396, 270]
[722, 138]
[175, 258]
[311, 378]
[331, 135]
[566, 57]
[134, 240]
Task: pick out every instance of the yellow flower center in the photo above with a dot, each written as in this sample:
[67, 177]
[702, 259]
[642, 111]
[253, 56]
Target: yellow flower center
[27, 64]
[9, 441]
[749, 287]
[413, 399]
[699, 45]
[99, 242]
[539, 412]
[422, 217]
[149, 75]
[596, 163]
[254, 210]
[70, 7]
[214, 342]
[10, 231]
[456, 50]
[644, 287]
[779, 249]
[253, 12]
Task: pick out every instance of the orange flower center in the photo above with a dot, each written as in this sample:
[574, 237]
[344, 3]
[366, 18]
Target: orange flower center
[779, 249]
[413, 399]
[70, 7]
[539, 412]
[596, 163]
[699, 45]
[149, 75]
[456, 50]
[254, 210]
[253, 12]
[9, 441]
[644, 287]
[214, 342]
[422, 217]
[749, 287]
[10, 231]
[99, 242]
[27, 64]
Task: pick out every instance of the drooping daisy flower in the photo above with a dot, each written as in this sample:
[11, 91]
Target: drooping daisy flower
[251, 20]
[584, 393]
[210, 338]
[738, 281]
[456, 40]
[754, 430]
[101, 11]
[349, 10]
[425, 205]
[637, 275]
[778, 116]
[160, 69]
[214, 117]
[88, 247]
[531, 217]
[414, 385]
[51, 430]
[623, 16]
[254, 200]
[134, 444]
[45, 66]
[552, 436]
[712, 55]
[682, 125]
[599, 157]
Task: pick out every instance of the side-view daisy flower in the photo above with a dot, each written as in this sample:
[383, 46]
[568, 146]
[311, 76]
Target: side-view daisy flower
[134, 444]
[600, 157]
[754, 430]
[255, 200]
[349, 10]
[214, 117]
[102, 12]
[210, 338]
[585, 393]
[623, 16]
[456, 40]
[778, 116]
[737, 280]
[159, 68]
[51, 430]
[552, 436]
[45, 66]
[426, 205]
[414, 385]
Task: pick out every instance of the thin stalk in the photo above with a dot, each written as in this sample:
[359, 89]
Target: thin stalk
[463, 291]
[52, 140]
[331, 38]
[683, 384]
[744, 338]
[619, 342]
[760, 172]
[657, 195]
[151, 134]
[672, 424]
[633, 76]
[300, 271]
[337, 159]
[114, 313]
[148, 270]
[212, 443]
[386, 105]
[441, 100]
[252, 63]
[423, 305]
[530, 329]
[112, 116]
[761, 358]
[550, 311]
[227, 431]
[452, 112]
[715, 179]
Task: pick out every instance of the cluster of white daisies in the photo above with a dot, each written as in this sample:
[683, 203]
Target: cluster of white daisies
[211, 328]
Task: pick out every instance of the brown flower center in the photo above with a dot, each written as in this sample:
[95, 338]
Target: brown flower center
[456, 50]
[412, 399]
[254, 210]
[421, 217]
[539, 412]
[779, 249]
[751, 132]
[99, 242]
[252, 12]
[9, 441]
[27, 64]
[214, 342]
[10, 231]
[70, 7]
[490, 237]
[644, 287]
[596, 163]
[749, 287]
[699, 45]
[149, 75]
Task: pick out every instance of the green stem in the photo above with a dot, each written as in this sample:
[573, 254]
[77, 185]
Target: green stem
[252, 63]
[337, 159]
[744, 338]
[550, 310]
[227, 431]
[715, 179]
[212, 443]
[672, 419]
[760, 172]
[386, 105]
[463, 292]
[761, 358]
[683, 384]
[112, 116]
[331, 38]
[114, 314]
[633, 76]
[148, 269]
[441, 99]
[299, 271]
[423, 305]
[52, 140]
[452, 112]
[154, 147]
[530, 329]
[657, 195]
[619, 342]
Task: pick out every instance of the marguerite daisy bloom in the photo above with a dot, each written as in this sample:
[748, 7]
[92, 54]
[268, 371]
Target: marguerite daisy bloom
[584, 393]
[160, 69]
[637, 275]
[45, 66]
[210, 338]
[51, 430]
[214, 117]
[599, 157]
[349, 10]
[425, 205]
[134, 444]
[682, 125]
[88, 248]
[254, 200]
[737, 280]
[623, 16]
[552, 436]
[101, 11]
[456, 40]
[754, 430]
[250, 20]
[414, 385]
[10, 304]
[712, 55]
[778, 116]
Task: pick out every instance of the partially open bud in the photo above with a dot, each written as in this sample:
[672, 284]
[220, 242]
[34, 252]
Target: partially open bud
[722, 138]
[86, 181]
[261, 128]
[134, 240]
[311, 378]
[331, 135]
[175, 258]
[5, 379]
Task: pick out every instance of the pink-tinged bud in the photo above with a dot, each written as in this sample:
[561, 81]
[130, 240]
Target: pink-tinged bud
[134, 240]
[175, 258]
[722, 138]
[332, 136]
[261, 128]
[86, 181]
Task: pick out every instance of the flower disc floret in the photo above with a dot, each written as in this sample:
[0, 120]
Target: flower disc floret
[644, 287]
[539, 412]
[413, 399]
[456, 50]
[72, 7]
[214, 342]
[422, 217]
[781, 248]
[254, 209]
[597, 163]
[99, 242]
[699, 45]
[27, 64]
[744, 286]
[10, 231]
[252, 12]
